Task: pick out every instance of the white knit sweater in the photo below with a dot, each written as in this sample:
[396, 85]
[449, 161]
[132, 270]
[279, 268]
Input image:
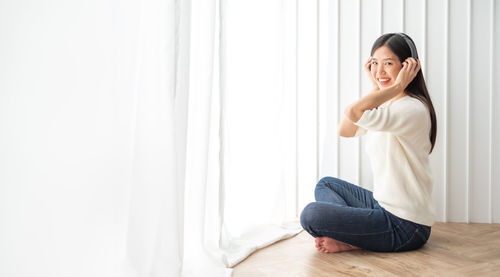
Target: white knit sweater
[398, 144]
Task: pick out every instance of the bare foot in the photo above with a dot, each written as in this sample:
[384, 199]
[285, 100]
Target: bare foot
[329, 245]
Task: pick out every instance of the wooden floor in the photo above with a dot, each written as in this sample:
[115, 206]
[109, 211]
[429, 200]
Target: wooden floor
[454, 249]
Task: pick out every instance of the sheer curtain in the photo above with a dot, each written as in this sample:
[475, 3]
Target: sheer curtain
[89, 182]
[257, 125]
[146, 138]
[240, 171]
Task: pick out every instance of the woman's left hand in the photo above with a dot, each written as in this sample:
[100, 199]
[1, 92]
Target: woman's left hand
[409, 71]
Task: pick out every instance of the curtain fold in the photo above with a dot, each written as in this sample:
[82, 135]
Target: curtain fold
[154, 227]
[145, 138]
[199, 257]
[212, 186]
[256, 180]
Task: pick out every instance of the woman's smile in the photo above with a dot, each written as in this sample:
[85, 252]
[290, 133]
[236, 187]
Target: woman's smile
[384, 81]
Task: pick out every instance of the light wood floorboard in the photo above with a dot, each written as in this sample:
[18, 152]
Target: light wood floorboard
[454, 249]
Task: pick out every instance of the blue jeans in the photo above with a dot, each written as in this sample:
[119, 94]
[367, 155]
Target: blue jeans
[350, 214]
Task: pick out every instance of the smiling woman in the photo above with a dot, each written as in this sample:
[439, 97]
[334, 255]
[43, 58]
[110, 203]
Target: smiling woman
[384, 66]
[398, 215]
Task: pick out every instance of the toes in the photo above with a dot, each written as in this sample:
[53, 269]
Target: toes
[323, 249]
[317, 241]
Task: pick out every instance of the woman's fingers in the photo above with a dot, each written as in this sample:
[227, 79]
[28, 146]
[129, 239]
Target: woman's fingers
[410, 70]
[418, 66]
[414, 65]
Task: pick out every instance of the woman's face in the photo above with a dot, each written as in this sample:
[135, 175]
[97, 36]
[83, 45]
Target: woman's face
[385, 66]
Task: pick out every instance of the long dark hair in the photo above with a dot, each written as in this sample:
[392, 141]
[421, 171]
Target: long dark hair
[417, 88]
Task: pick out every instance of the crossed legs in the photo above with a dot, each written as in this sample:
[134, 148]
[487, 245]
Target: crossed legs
[344, 217]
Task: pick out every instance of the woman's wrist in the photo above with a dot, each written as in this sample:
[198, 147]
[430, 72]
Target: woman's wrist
[394, 89]
[399, 87]
[387, 93]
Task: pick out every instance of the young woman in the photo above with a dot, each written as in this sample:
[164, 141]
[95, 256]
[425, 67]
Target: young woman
[399, 122]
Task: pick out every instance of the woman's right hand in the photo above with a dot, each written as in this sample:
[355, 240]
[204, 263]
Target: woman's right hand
[368, 71]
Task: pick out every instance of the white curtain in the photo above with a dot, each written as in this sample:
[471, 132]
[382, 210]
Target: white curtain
[257, 126]
[240, 193]
[88, 176]
[145, 138]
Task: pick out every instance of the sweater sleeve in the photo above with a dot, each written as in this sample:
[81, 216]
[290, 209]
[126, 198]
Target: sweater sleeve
[400, 118]
[360, 132]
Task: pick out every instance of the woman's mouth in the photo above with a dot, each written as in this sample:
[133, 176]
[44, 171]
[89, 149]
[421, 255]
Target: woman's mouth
[384, 81]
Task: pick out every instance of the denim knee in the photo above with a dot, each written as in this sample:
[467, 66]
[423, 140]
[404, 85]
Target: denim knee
[328, 179]
[308, 217]
[323, 181]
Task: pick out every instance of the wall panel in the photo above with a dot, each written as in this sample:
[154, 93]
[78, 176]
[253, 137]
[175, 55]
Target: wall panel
[495, 124]
[437, 85]
[349, 82]
[479, 111]
[458, 112]
[328, 81]
[371, 19]
[307, 102]
[392, 15]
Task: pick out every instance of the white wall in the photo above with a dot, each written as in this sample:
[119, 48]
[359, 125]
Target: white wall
[458, 43]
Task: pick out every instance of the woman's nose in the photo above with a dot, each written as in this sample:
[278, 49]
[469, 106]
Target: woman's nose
[380, 70]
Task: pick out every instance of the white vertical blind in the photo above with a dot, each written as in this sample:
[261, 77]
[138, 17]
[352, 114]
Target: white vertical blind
[495, 179]
[349, 82]
[479, 120]
[491, 47]
[307, 103]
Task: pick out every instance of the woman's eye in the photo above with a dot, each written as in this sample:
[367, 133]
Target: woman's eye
[374, 62]
[388, 63]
